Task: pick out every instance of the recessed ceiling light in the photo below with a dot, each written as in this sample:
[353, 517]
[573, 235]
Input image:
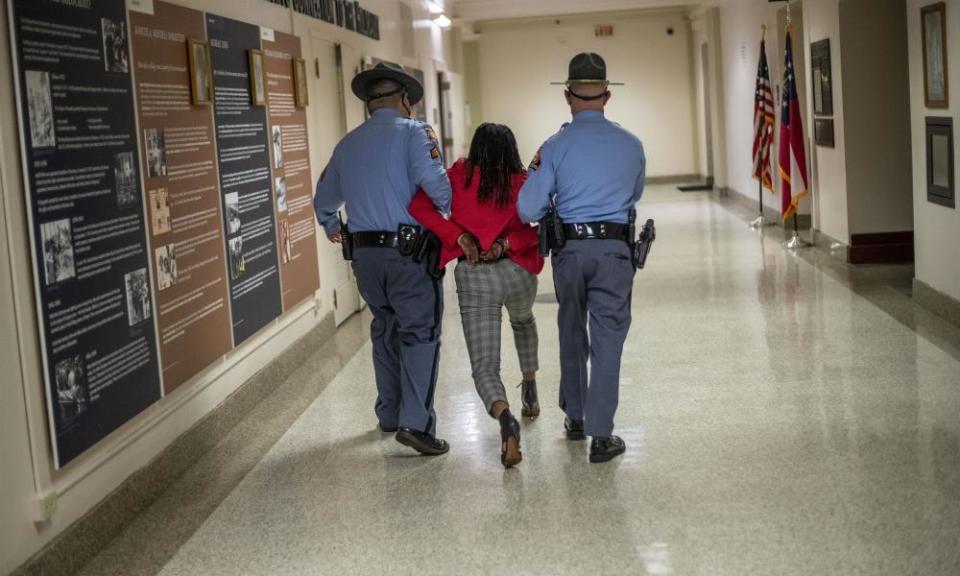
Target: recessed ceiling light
[434, 7]
[442, 21]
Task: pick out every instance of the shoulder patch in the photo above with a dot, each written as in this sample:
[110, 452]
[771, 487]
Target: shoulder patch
[434, 141]
[431, 135]
[535, 163]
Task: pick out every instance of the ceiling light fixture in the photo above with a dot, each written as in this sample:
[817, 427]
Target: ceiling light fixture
[442, 21]
[434, 7]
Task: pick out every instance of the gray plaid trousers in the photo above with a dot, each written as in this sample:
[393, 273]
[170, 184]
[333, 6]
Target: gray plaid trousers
[483, 291]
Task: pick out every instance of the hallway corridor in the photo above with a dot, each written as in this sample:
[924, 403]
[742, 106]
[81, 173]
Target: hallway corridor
[782, 415]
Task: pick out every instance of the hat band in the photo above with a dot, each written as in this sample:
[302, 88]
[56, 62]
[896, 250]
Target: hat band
[586, 98]
[400, 90]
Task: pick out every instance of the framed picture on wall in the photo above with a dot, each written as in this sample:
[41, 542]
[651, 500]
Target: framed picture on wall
[258, 82]
[939, 144]
[935, 80]
[301, 96]
[201, 76]
[822, 78]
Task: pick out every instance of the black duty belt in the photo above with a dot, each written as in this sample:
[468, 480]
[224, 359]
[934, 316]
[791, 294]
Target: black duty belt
[596, 231]
[375, 239]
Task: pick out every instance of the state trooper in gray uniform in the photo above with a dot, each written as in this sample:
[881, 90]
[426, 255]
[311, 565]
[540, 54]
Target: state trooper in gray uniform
[375, 170]
[590, 174]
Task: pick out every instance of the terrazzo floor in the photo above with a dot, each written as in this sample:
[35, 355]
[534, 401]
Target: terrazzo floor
[780, 418]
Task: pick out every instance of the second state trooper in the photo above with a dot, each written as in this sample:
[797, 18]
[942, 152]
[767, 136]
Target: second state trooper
[375, 170]
[589, 175]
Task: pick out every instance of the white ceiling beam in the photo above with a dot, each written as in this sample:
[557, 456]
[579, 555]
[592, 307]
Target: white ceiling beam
[481, 10]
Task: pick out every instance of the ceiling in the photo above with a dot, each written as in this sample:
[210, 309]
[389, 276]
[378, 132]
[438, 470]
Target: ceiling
[481, 10]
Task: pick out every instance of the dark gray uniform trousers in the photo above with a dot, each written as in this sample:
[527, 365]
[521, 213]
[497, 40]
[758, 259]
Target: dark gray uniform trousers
[592, 277]
[407, 307]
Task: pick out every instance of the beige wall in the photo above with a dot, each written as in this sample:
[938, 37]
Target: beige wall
[519, 59]
[27, 471]
[937, 229]
[876, 107]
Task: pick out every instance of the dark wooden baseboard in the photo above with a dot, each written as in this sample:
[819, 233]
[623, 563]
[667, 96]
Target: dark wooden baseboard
[881, 248]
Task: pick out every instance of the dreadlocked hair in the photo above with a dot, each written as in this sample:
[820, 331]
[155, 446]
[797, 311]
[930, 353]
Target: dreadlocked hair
[494, 152]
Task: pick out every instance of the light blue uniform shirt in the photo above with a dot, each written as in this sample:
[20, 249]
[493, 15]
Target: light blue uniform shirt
[594, 168]
[376, 169]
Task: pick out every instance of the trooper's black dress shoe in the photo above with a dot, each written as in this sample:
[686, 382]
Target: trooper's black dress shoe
[574, 429]
[528, 396]
[422, 442]
[387, 429]
[604, 449]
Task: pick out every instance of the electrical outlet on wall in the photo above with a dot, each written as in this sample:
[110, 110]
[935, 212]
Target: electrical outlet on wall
[44, 507]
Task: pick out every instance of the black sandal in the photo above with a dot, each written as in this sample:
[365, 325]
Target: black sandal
[510, 454]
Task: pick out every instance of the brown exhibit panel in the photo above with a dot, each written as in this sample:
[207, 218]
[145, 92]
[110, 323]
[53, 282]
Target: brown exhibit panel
[182, 195]
[291, 179]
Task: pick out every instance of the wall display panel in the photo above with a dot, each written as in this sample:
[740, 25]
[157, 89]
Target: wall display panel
[246, 183]
[292, 183]
[85, 210]
[181, 191]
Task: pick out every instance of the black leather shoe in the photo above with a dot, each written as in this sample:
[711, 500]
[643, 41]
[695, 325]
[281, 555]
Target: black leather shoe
[528, 396]
[574, 429]
[510, 454]
[387, 429]
[422, 442]
[604, 449]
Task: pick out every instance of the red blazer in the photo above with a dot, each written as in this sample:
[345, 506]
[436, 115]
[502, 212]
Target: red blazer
[486, 222]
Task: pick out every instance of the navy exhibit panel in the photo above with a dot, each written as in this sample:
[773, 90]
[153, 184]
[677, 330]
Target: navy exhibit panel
[88, 236]
[250, 225]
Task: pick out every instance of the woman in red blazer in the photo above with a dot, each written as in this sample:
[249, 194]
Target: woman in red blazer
[499, 262]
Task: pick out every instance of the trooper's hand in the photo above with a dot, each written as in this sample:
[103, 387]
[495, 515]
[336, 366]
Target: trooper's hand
[335, 237]
[469, 247]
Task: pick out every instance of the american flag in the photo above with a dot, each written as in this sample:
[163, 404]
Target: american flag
[763, 120]
[793, 157]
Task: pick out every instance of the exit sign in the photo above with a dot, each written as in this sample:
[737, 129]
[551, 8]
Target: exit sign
[603, 30]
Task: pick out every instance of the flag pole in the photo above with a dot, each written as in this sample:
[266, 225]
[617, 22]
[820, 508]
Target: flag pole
[795, 240]
[760, 221]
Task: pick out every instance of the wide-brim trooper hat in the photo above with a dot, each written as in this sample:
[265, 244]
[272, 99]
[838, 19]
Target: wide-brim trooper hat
[587, 68]
[386, 71]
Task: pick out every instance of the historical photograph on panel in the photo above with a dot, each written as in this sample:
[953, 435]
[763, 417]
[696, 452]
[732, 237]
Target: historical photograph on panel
[58, 263]
[237, 263]
[73, 394]
[286, 250]
[125, 179]
[156, 152]
[166, 257]
[232, 201]
[281, 194]
[258, 82]
[201, 77]
[138, 296]
[277, 147]
[40, 105]
[115, 57]
[160, 211]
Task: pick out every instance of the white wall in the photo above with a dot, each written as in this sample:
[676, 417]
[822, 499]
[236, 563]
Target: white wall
[741, 23]
[519, 59]
[27, 470]
[822, 20]
[741, 29]
[936, 228]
